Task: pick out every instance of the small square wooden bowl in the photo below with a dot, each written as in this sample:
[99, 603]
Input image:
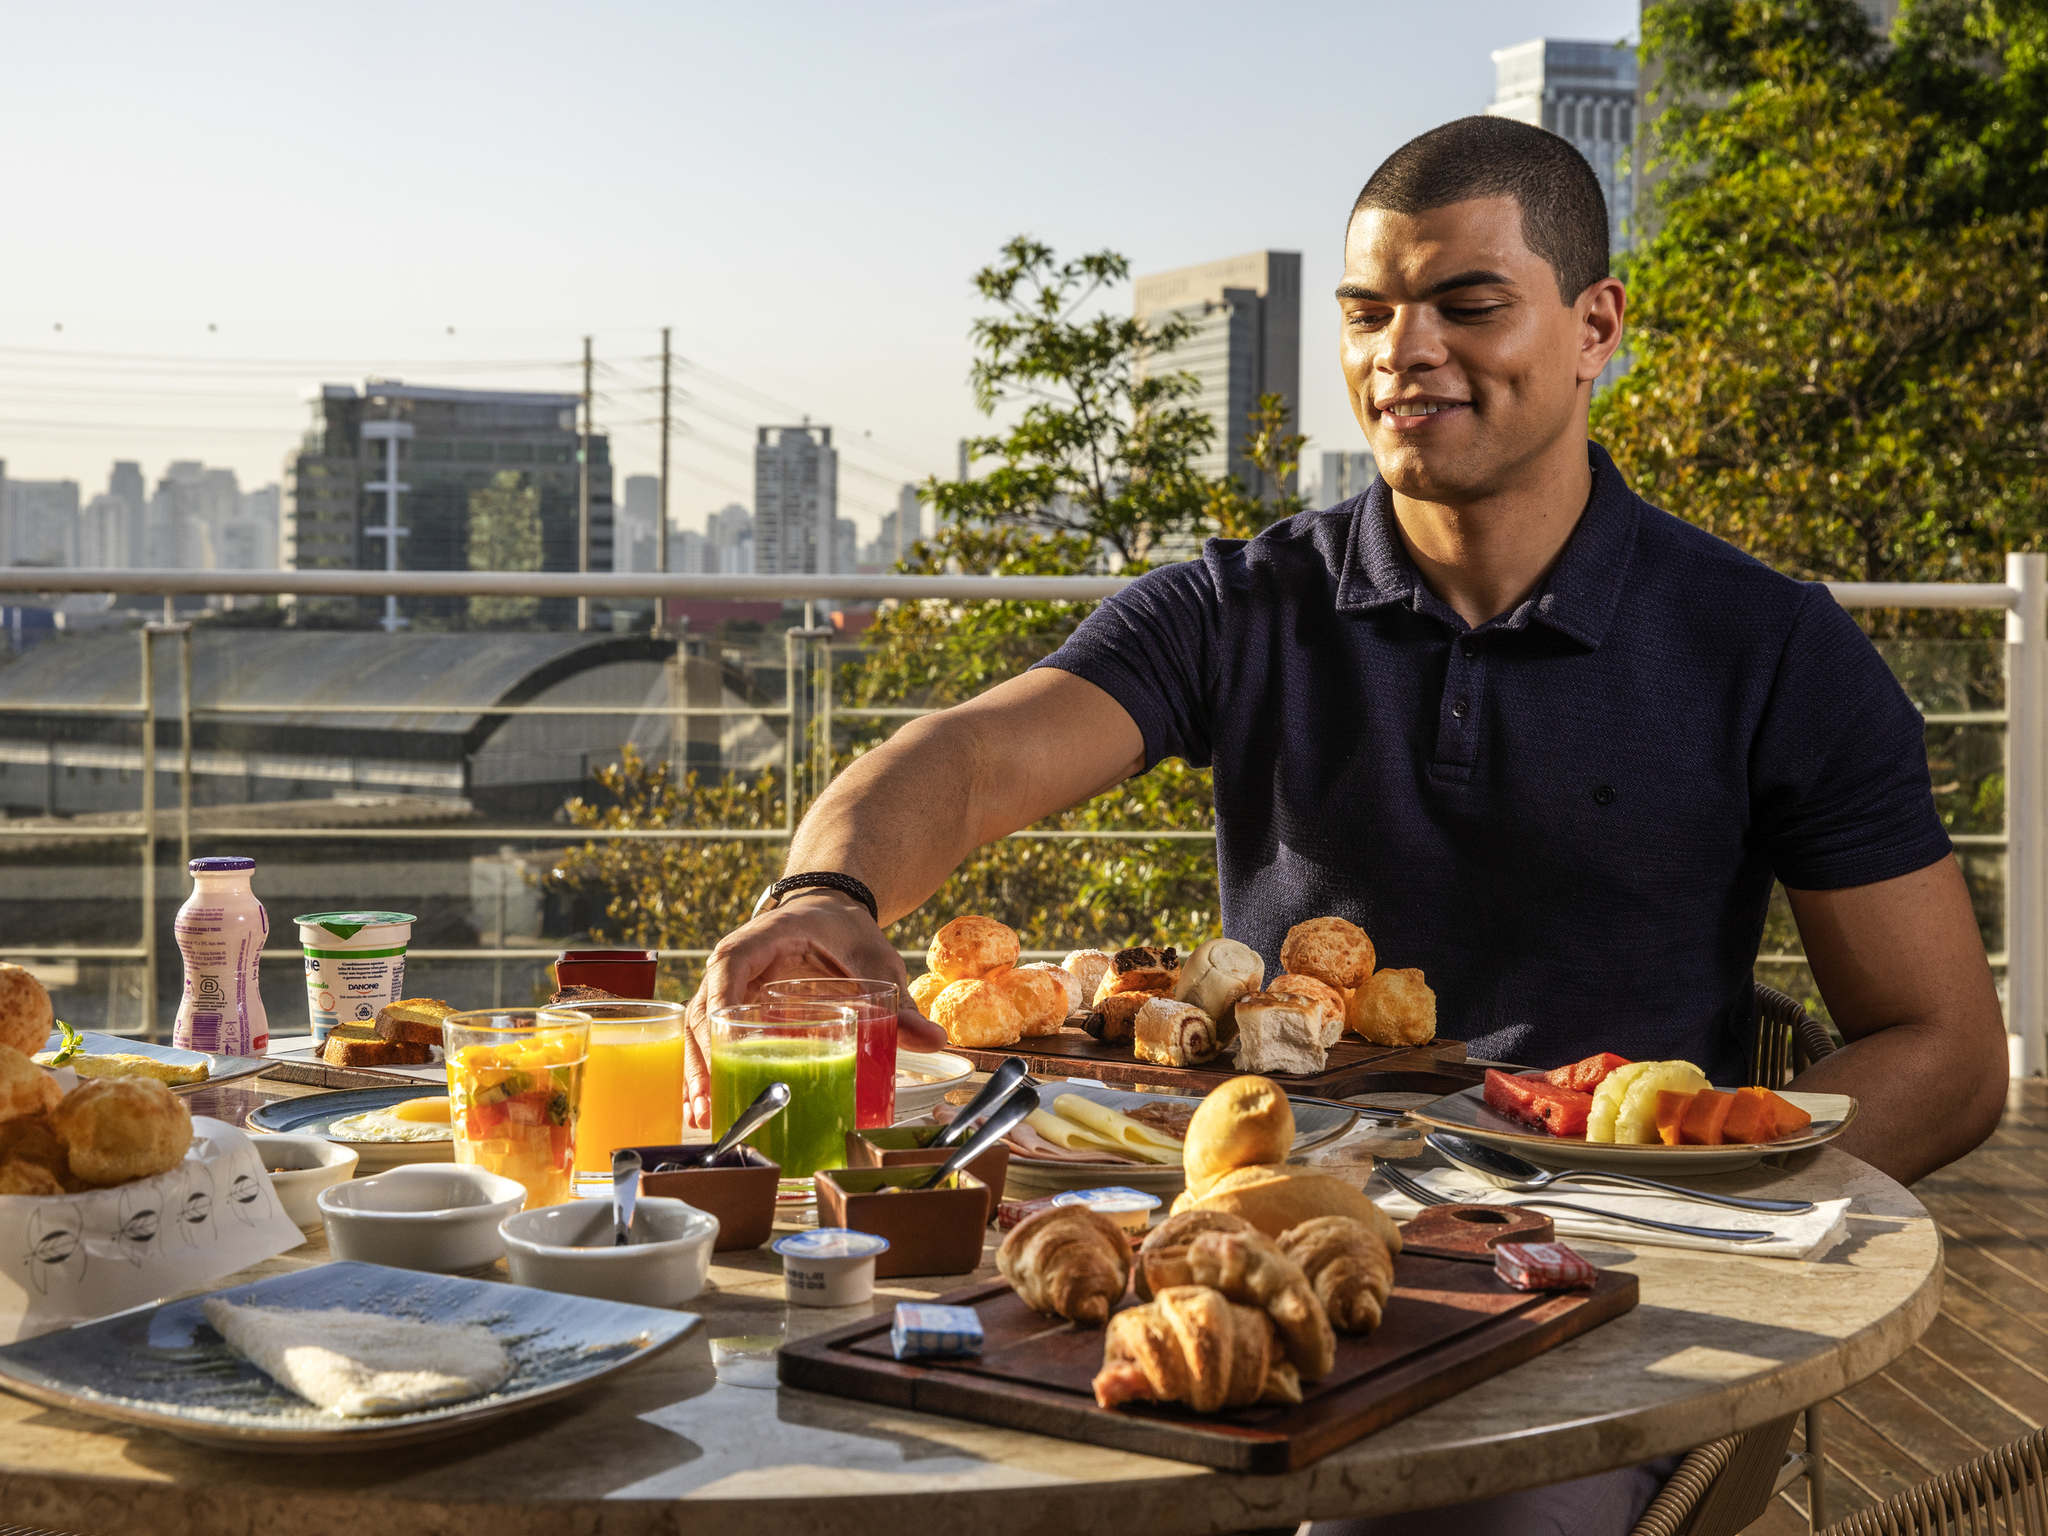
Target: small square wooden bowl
[930, 1231]
[905, 1146]
[740, 1191]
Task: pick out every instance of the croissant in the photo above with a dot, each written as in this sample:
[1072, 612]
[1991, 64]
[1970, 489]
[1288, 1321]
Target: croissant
[1249, 1268]
[1070, 1261]
[1163, 1256]
[1350, 1267]
[1189, 1345]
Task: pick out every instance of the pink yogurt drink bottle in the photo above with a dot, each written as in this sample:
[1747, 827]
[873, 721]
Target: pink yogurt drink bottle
[220, 931]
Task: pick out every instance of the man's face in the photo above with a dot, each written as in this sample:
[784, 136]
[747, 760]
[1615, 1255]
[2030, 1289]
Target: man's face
[1450, 310]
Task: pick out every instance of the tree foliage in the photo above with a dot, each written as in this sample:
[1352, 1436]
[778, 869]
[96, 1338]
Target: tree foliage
[504, 535]
[1839, 326]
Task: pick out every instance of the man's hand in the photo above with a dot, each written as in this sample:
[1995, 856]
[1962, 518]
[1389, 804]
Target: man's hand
[813, 933]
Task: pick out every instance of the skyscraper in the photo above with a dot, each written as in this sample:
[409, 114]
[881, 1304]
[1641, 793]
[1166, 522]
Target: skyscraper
[445, 443]
[729, 540]
[1246, 314]
[126, 482]
[1584, 92]
[633, 543]
[796, 500]
[40, 521]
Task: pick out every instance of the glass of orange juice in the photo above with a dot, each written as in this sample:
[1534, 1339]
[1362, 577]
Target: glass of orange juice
[633, 1081]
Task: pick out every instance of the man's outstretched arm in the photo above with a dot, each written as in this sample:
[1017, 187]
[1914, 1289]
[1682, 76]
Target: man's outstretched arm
[1902, 969]
[903, 817]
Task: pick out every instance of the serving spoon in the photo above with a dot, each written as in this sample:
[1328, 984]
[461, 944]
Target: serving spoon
[1001, 1083]
[1001, 1121]
[1500, 1167]
[625, 1194]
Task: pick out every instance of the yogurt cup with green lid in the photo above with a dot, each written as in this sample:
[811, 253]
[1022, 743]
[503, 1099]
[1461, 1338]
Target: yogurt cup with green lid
[355, 964]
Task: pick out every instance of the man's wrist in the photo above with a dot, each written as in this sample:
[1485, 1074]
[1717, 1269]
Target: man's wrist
[826, 892]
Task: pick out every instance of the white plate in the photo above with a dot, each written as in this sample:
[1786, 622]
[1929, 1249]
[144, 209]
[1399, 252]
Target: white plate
[1314, 1124]
[925, 1077]
[1466, 1112]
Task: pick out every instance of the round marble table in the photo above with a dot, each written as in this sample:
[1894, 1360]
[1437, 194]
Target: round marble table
[1718, 1344]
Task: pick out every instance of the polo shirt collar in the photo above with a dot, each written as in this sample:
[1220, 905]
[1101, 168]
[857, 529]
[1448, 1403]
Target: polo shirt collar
[1578, 599]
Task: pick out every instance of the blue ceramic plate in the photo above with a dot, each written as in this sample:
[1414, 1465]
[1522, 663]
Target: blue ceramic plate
[315, 1114]
[219, 1069]
[165, 1368]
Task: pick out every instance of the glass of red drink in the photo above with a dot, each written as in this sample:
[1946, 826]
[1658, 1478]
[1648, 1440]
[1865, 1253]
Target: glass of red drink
[874, 1007]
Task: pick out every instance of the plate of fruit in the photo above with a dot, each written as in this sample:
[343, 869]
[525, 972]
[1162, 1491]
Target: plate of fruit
[1609, 1112]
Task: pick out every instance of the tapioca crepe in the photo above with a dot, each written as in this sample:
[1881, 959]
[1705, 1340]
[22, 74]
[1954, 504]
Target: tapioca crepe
[361, 1364]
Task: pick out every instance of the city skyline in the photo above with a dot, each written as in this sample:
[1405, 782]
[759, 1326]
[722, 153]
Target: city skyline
[703, 156]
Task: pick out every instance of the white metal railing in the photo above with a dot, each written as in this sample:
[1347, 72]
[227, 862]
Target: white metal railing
[2022, 596]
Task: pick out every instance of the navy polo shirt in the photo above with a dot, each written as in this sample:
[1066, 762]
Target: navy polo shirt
[1568, 817]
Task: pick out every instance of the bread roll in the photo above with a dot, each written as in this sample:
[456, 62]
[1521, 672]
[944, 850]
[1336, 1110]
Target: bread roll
[1217, 974]
[1394, 1008]
[25, 1088]
[1143, 969]
[978, 1015]
[970, 947]
[1040, 1000]
[1070, 984]
[1242, 1124]
[1174, 1034]
[1086, 966]
[1115, 1019]
[924, 988]
[1279, 1032]
[1329, 949]
[1329, 1002]
[26, 1017]
[1274, 1198]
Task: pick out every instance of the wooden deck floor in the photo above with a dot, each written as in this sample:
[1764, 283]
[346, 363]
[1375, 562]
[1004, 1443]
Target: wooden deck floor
[1979, 1376]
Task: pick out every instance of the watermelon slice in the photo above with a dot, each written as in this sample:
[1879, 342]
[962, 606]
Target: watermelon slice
[1536, 1101]
[1586, 1075]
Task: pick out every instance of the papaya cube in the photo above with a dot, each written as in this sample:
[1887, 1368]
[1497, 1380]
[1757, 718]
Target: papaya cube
[1791, 1118]
[1705, 1117]
[1671, 1108]
[1751, 1119]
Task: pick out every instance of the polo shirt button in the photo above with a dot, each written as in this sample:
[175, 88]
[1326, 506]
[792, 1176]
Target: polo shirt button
[1603, 794]
[1469, 647]
[1458, 709]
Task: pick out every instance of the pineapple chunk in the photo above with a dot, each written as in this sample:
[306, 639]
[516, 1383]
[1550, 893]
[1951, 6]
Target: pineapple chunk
[1636, 1123]
[1606, 1110]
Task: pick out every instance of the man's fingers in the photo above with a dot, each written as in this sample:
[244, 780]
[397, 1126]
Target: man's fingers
[915, 1032]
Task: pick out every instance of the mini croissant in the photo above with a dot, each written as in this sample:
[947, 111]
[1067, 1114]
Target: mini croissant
[1247, 1267]
[1189, 1345]
[1349, 1265]
[1070, 1261]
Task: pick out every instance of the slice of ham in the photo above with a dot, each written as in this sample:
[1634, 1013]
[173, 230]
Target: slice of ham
[1025, 1142]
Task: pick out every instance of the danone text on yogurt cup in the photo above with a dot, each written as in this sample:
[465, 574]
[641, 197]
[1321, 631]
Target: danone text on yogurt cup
[355, 964]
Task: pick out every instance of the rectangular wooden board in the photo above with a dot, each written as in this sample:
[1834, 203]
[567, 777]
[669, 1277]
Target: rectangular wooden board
[1354, 1066]
[1449, 1325]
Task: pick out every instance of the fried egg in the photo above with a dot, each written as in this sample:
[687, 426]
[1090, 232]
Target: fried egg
[412, 1120]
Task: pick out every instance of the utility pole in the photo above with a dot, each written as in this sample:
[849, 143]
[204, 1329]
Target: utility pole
[661, 528]
[583, 497]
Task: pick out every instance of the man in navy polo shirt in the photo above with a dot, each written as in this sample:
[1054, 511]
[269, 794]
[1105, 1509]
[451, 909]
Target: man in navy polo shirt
[1537, 737]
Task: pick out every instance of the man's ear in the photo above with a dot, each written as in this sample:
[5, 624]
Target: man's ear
[1601, 310]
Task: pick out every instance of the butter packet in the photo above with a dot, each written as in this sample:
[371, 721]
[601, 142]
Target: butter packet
[925, 1330]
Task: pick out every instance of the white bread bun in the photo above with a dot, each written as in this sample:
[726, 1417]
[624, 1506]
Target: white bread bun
[1087, 967]
[1217, 974]
[1328, 1001]
[1279, 1032]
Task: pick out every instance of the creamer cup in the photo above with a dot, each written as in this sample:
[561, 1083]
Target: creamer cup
[829, 1266]
[355, 964]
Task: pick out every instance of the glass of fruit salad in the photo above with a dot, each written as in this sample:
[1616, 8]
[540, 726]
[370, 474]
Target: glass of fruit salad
[515, 1083]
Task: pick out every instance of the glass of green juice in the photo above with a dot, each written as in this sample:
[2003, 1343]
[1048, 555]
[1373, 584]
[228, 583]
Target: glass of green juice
[808, 1045]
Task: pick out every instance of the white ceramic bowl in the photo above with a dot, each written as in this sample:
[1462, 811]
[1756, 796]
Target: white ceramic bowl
[300, 1167]
[569, 1248]
[437, 1216]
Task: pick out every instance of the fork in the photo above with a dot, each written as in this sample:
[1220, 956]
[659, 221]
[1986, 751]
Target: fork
[1422, 1194]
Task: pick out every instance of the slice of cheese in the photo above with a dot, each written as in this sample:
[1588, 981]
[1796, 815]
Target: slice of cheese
[359, 1364]
[1062, 1132]
[1120, 1130]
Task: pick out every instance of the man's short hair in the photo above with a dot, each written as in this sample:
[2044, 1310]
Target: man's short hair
[1564, 212]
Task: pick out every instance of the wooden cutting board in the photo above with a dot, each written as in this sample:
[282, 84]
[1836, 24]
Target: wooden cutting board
[1354, 1066]
[1449, 1325]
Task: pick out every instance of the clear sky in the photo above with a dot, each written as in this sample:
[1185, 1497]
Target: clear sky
[211, 209]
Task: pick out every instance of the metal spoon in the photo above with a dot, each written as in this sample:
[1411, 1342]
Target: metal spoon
[998, 1125]
[1000, 1083]
[625, 1193]
[1499, 1166]
[768, 1103]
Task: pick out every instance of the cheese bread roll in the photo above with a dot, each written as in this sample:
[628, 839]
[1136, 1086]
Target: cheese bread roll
[971, 946]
